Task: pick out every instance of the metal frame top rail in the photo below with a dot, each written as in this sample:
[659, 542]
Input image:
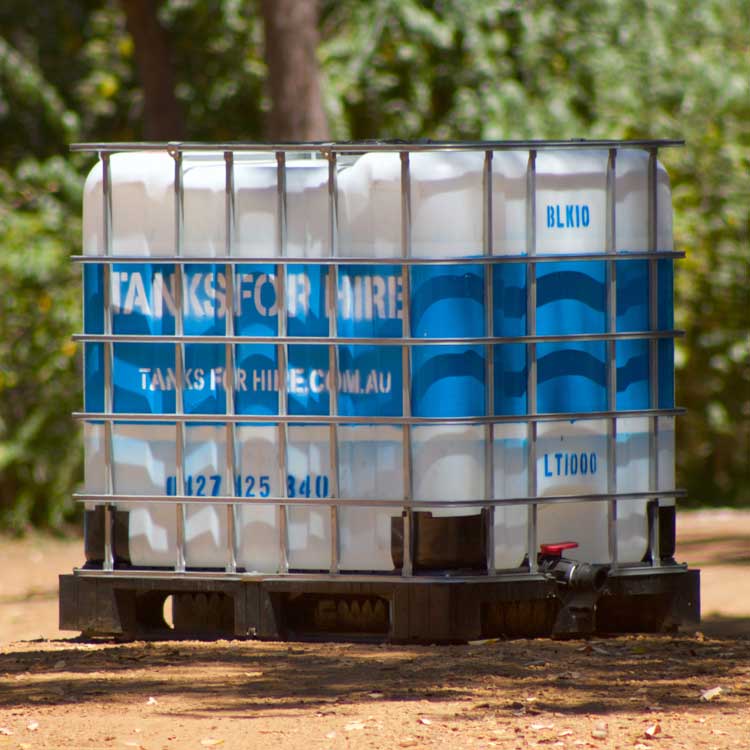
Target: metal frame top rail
[357, 147]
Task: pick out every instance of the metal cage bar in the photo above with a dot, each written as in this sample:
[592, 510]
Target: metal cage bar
[653, 351]
[483, 260]
[489, 369]
[362, 147]
[531, 377]
[610, 247]
[179, 363]
[375, 341]
[333, 362]
[318, 419]
[109, 478]
[231, 431]
[407, 566]
[282, 355]
[421, 503]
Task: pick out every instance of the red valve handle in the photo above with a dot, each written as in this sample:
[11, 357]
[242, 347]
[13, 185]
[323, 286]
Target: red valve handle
[556, 550]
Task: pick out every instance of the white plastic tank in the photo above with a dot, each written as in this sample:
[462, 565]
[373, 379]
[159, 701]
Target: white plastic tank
[448, 461]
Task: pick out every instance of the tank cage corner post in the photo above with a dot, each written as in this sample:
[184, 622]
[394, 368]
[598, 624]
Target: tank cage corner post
[282, 356]
[653, 355]
[407, 564]
[333, 365]
[231, 425]
[179, 358]
[531, 383]
[489, 371]
[611, 307]
[109, 477]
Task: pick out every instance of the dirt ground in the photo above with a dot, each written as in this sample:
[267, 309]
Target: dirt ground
[663, 692]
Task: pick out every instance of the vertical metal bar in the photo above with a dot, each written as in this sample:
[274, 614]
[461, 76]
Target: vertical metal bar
[231, 460]
[653, 350]
[407, 567]
[109, 483]
[531, 381]
[611, 231]
[282, 357]
[333, 367]
[489, 368]
[179, 368]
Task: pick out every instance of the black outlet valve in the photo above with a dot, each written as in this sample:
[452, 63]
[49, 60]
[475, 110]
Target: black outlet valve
[572, 573]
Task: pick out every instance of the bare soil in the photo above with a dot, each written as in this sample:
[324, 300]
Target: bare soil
[688, 691]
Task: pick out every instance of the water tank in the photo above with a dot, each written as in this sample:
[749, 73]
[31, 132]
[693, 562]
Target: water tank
[468, 347]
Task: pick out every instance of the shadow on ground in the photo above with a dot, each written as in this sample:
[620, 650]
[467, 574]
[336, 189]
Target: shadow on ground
[270, 679]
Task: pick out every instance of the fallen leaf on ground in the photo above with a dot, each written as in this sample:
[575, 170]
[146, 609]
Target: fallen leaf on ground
[375, 695]
[253, 674]
[709, 695]
[653, 731]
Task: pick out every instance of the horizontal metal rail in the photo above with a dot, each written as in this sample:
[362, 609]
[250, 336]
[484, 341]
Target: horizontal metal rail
[359, 147]
[375, 341]
[307, 419]
[471, 260]
[507, 575]
[89, 497]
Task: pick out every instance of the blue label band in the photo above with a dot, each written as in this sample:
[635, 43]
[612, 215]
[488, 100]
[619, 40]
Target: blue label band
[446, 301]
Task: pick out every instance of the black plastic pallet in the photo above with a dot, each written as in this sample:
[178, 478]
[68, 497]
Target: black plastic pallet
[126, 604]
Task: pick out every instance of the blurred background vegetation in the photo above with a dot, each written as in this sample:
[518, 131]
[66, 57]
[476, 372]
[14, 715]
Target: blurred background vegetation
[103, 70]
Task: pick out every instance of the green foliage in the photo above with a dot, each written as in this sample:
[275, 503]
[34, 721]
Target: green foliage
[445, 69]
[40, 457]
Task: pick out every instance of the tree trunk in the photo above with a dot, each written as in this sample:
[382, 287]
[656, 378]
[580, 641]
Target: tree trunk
[162, 115]
[291, 34]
